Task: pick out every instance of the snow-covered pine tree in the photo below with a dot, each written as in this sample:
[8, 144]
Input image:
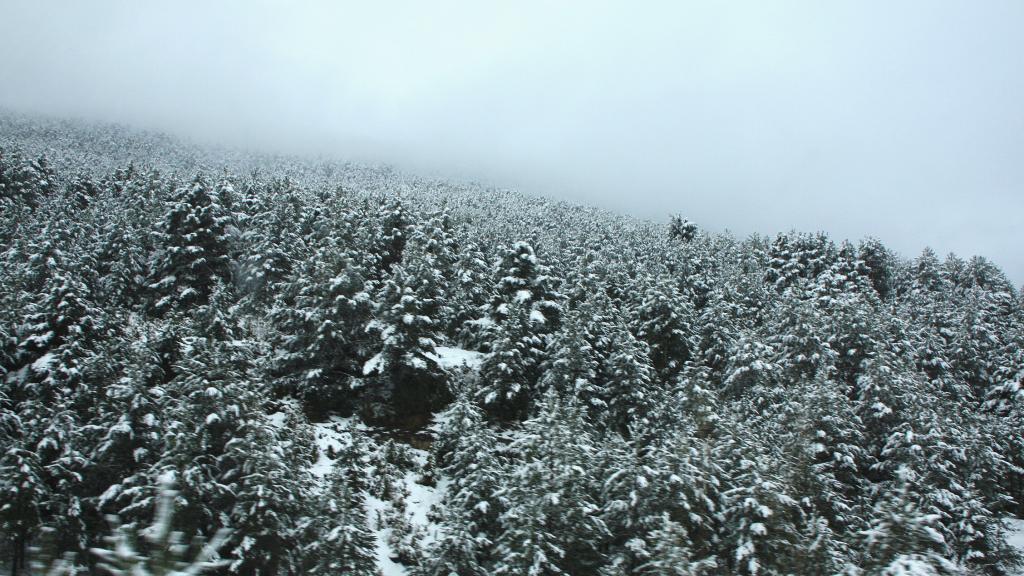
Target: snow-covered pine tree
[269, 241]
[628, 380]
[879, 263]
[406, 383]
[661, 500]
[680, 228]
[665, 322]
[465, 452]
[510, 371]
[795, 330]
[523, 278]
[552, 523]
[193, 251]
[394, 222]
[24, 181]
[796, 257]
[164, 548]
[23, 492]
[572, 367]
[902, 539]
[760, 521]
[321, 317]
[437, 240]
[469, 323]
[344, 543]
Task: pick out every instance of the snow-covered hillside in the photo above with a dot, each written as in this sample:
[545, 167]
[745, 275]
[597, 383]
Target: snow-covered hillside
[347, 370]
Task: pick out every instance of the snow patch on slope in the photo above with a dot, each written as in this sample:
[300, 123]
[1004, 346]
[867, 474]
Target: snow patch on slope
[448, 358]
[277, 419]
[331, 436]
[422, 498]
[1015, 537]
[373, 365]
[375, 512]
[419, 499]
[42, 365]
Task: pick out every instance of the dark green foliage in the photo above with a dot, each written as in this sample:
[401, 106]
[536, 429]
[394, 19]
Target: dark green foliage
[902, 538]
[664, 321]
[193, 251]
[682, 229]
[405, 380]
[795, 257]
[321, 343]
[346, 544]
[523, 279]
[465, 452]
[551, 523]
[510, 371]
[24, 181]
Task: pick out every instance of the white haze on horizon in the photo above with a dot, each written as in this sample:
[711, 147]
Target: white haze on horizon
[899, 120]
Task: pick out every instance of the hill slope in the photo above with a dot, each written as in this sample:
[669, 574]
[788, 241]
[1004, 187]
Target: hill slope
[354, 370]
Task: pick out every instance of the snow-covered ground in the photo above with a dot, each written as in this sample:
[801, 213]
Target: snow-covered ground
[418, 504]
[375, 510]
[1016, 537]
[332, 436]
[336, 433]
[448, 358]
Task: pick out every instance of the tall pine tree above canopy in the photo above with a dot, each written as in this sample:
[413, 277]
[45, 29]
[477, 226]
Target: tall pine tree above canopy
[927, 273]
[880, 264]
[680, 228]
[510, 371]
[321, 317]
[848, 274]
[521, 277]
[193, 251]
[664, 320]
[406, 381]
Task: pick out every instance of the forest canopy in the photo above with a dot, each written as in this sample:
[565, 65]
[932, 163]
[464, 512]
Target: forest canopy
[305, 349]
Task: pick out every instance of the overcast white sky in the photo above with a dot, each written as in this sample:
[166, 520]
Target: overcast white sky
[898, 119]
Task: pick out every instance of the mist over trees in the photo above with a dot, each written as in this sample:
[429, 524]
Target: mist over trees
[644, 399]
